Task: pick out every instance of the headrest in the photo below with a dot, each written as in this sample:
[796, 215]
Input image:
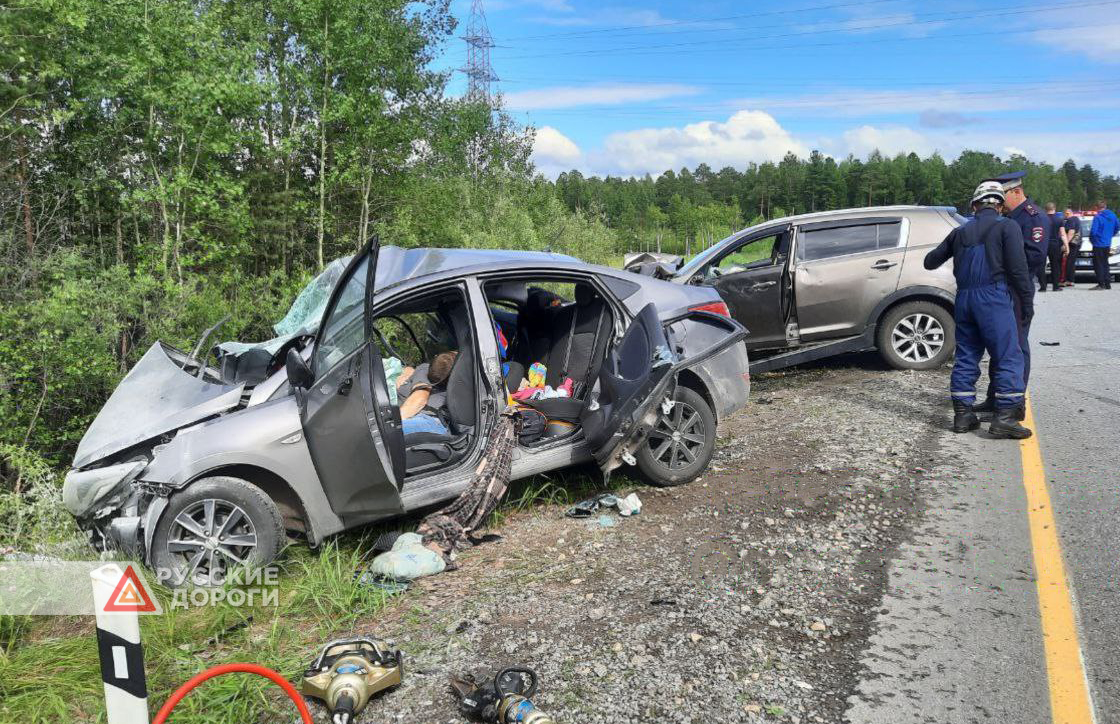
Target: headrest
[541, 299]
[515, 292]
[585, 294]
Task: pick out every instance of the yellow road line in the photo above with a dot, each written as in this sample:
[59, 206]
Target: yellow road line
[1069, 688]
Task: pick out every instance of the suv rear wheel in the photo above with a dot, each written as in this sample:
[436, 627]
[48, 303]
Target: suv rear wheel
[916, 336]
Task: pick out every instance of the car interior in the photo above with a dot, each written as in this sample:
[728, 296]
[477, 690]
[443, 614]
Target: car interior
[552, 332]
[414, 333]
[759, 252]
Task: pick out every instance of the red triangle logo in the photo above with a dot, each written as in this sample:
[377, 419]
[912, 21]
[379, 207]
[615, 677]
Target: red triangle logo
[130, 595]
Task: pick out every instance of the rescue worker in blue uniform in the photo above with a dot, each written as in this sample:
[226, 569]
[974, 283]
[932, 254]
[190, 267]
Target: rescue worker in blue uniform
[1035, 229]
[990, 265]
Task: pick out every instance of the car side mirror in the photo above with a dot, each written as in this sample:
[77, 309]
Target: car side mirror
[299, 374]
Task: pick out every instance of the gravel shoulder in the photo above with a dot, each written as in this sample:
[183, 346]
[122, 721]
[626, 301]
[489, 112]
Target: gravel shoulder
[744, 596]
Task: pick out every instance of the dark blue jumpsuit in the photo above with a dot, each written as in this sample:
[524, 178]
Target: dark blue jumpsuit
[1035, 227]
[987, 252]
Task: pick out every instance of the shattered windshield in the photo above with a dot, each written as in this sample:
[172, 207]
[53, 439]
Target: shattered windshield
[303, 316]
[307, 310]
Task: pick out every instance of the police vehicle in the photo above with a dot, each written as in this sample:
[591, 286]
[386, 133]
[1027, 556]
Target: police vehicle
[1084, 265]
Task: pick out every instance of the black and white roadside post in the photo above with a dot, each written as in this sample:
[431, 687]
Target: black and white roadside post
[122, 658]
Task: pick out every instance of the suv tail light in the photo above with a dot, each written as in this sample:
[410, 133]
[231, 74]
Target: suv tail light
[713, 307]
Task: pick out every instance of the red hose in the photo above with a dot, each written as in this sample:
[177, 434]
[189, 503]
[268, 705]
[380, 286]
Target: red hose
[186, 688]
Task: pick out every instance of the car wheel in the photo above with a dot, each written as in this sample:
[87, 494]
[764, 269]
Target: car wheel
[917, 336]
[680, 445]
[212, 527]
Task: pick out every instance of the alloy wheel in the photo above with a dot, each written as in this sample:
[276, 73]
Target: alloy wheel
[918, 337]
[210, 537]
[678, 437]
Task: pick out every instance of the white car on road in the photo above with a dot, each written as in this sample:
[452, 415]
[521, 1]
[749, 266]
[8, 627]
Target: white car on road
[1085, 253]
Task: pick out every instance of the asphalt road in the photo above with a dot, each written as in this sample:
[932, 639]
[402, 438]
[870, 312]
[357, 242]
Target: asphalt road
[959, 635]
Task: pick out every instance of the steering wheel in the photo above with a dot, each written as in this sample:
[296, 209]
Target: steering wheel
[411, 334]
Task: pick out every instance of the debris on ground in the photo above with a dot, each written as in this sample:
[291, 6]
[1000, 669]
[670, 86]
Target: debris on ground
[765, 574]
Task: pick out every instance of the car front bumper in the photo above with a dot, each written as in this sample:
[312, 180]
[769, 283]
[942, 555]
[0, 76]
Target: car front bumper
[1084, 263]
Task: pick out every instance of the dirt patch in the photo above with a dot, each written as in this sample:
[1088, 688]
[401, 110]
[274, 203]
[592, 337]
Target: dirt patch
[744, 596]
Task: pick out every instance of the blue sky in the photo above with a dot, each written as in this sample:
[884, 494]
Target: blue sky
[634, 87]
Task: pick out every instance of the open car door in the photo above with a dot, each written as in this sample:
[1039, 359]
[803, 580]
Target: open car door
[634, 376]
[352, 429]
[638, 375]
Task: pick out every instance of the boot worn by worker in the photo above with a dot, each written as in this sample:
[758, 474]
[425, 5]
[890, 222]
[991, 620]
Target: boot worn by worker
[987, 407]
[1020, 413]
[964, 419]
[1005, 426]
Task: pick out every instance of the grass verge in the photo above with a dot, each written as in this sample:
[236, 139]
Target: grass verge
[49, 669]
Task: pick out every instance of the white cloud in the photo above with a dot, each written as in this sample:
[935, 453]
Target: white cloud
[864, 22]
[562, 6]
[870, 102]
[935, 108]
[1100, 148]
[598, 94]
[754, 137]
[609, 16]
[889, 141]
[554, 152]
[746, 137]
[1100, 43]
[553, 145]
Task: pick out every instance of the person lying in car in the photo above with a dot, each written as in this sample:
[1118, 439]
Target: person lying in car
[423, 390]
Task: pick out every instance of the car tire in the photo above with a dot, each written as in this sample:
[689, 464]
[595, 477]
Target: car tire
[239, 512]
[690, 416]
[909, 335]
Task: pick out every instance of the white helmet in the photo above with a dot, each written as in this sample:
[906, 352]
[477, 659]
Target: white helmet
[989, 191]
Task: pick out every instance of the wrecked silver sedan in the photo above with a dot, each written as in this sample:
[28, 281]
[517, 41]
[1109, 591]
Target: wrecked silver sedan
[380, 404]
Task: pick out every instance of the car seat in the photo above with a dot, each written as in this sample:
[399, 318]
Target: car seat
[579, 333]
[426, 449]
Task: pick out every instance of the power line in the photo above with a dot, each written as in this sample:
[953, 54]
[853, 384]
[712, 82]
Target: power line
[801, 82]
[647, 49]
[701, 21]
[847, 43]
[480, 73]
[881, 100]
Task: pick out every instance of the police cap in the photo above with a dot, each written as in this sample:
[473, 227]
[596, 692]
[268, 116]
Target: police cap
[1012, 180]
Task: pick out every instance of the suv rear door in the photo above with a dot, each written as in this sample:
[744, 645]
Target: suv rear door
[753, 277]
[843, 269]
[352, 429]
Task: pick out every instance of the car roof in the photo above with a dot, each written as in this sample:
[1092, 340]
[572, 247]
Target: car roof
[396, 265]
[862, 211]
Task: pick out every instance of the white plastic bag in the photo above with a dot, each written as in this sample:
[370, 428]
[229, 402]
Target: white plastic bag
[408, 559]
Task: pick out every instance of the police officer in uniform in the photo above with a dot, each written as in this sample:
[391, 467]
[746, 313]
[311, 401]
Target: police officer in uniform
[1054, 249]
[1072, 241]
[1035, 229]
[990, 265]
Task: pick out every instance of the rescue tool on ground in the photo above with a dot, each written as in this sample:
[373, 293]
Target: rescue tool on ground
[348, 672]
[504, 700]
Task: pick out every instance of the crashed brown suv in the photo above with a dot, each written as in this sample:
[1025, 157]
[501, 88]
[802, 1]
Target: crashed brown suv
[826, 283]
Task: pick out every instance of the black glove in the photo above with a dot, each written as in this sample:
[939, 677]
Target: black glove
[1028, 313]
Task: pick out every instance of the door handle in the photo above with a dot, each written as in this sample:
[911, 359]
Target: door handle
[763, 285]
[345, 385]
[883, 264]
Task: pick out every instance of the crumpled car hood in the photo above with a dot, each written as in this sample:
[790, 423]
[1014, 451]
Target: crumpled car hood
[154, 398]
